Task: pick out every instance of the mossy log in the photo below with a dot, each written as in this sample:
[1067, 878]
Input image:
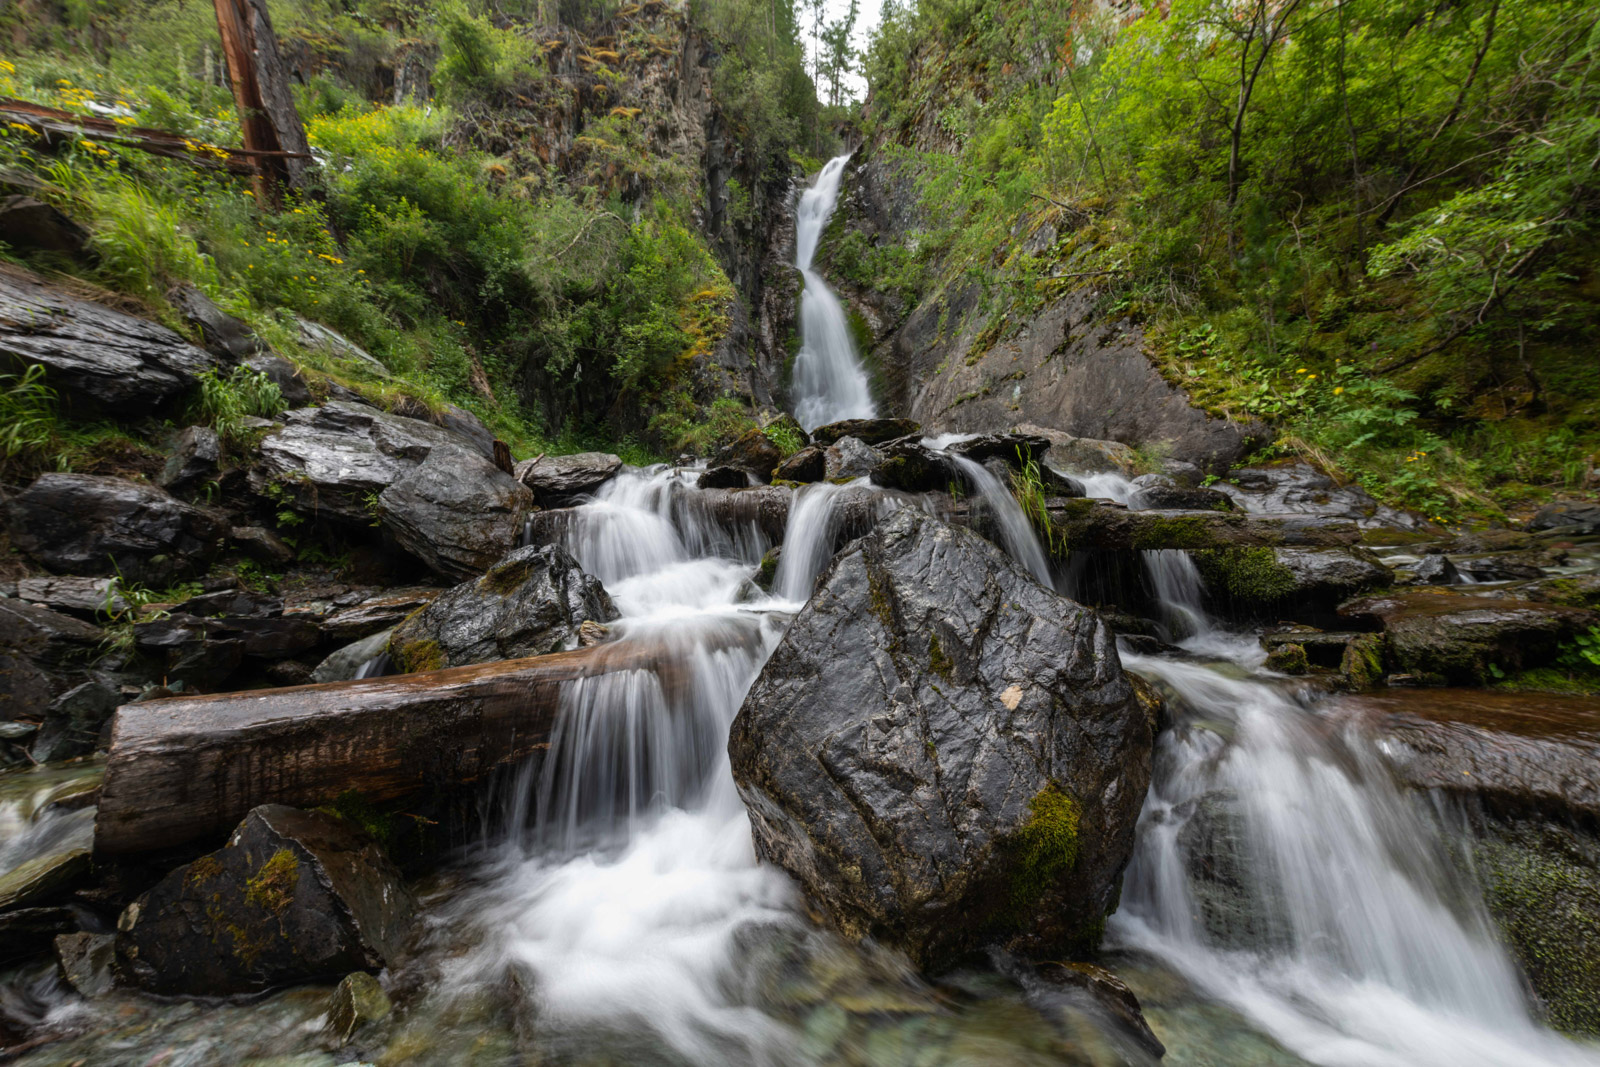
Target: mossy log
[184, 770]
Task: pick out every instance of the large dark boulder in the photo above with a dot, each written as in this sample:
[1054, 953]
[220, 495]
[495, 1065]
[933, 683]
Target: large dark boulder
[850, 457]
[223, 335]
[945, 753]
[867, 431]
[30, 225]
[98, 361]
[754, 453]
[91, 524]
[1015, 449]
[332, 461]
[913, 467]
[1449, 637]
[39, 649]
[455, 511]
[722, 478]
[810, 464]
[1569, 516]
[1169, 497]
[195, 456]
[293, 896]
[558, 479]
[533, 601]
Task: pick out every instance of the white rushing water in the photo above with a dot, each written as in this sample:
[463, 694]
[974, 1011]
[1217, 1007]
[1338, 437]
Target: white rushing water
[829, 381]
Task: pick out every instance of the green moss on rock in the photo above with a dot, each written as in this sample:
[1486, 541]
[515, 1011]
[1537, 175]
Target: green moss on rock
[413, 656]
[1045, 847]
[1288, 659]
[1249, 574]
[938, 662]
[272, 887]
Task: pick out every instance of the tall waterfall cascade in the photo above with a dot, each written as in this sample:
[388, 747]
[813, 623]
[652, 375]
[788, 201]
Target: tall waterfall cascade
[829, 381]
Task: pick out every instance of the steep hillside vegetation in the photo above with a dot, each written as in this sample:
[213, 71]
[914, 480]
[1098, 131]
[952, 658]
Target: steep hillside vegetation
[558, 219]
[1368, 222]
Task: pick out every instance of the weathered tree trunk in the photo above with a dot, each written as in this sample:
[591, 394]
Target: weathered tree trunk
[185, 770]
[267, 115]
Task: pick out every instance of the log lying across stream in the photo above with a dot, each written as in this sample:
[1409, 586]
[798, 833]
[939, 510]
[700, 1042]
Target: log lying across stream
[185, 770]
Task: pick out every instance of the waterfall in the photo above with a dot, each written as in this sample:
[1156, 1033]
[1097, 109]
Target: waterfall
[829, 381]
[1354, 938]
[1178, 589]
[1017, 535]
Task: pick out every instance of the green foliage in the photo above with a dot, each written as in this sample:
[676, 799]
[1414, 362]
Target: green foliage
[787, 436]
[1582, 652]
[27, 413]
[225, 403]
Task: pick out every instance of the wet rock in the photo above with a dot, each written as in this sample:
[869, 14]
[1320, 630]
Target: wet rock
[867, 431]
[849, 457]
[260, 543]
[1288, 657]
[467, 426]
[1230, 904]
[1301, 489]
[332, 461]
[912, 467]
[27, 932]
[754, 453]
[30, 225]
[73, 722]
[1087, 456]
[223, 335]
[286, 376]
[1170, 497]
[1573, 591]
[62, 864]
[357, 1002]
[555, 479]
[382, 612]
[88, 524]
[293, 896]
[196, 452]
[1571, 516]
[455, 511]
[86, 961]
[1015, 449]
[944, 753]
[79, 596]
[39, 651]
[266, 638]
[97, 360]
[314, 335]
[1521, 567]
[1333, 573]
[1436, 570]
[1456, 638]
[342, 665]
[768, 570]
[531, 602]
[810, 464]
[722, 478]
[1305, 584]
[1111, 994]
[239, 603]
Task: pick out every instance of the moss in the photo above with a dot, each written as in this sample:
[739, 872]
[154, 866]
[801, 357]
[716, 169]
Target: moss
[1044, 848]
[204, 869]
[422, 655]
[1176, 531]
[938, 662]
[1288, 659]
[1571, 593]
[1552, 680]
[1362, 663]
[768, 571]
[274, 884]
[502, 580]
[353, 807]
[1251, 574]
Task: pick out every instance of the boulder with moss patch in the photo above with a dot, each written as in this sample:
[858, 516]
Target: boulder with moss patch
[533, 601]
[944, 753]
[293, 896]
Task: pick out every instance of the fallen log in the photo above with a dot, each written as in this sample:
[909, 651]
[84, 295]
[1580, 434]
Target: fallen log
[185, 770]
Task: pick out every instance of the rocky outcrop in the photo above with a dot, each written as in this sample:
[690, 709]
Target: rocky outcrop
[533, 601]
[1452, 638]
[1301, 489]
[455, 511]
[752, 452]
[98, 360]
[944, 753]
[1576, 517]
[1299, 583]
[332, 461]
[810, 464]
[78, 596]
[90, 524]
[867, 431]
[40, 652]
[560, 479]
[196, 453]
[849, 458]
[294, 896]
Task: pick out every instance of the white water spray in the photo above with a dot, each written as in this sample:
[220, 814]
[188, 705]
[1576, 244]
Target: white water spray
[829, 381]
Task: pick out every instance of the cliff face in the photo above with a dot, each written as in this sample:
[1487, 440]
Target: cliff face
[1070, 368]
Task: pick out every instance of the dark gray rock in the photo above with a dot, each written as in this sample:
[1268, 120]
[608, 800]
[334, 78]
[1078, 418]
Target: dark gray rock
[469, 427]
[73, 722]
[455, 511]
[944, 753]
[294, 896]
[1520, 567]
[849, 457]
[913, 467]
[316, 336]
[554, 479]
[1437, 570]
[58, 866]
[260, 543]
[1015, 449]
[344, 664]
[89, 524]
[223, 335]
[285, 375]
[382, 612]
[867, 431]
[1179, 498]
[722, 478]
[1333, 573]
[39, 649]
[332, 461]
[79, 596]
[98, 361]
[1571, 516]
[86, 961]
[196, 453]
[265, 638]
[754, 453]
[30, 225]
[28, 932]
[241, 603]
[1110, 995]
[533, 601]
[810, 464]
[1301, 489]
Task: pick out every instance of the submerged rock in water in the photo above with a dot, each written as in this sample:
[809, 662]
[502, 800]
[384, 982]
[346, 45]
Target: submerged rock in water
[944, 753]
[1110, 995]
[455, 511]
[293, 896]
[533, 601]
[92, 524]
[357, 1002]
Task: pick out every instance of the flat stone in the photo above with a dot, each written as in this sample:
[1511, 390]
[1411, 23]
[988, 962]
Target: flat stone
[867, 431]
[49, 876]
[86, 961]
[554, 478]
[79, 596]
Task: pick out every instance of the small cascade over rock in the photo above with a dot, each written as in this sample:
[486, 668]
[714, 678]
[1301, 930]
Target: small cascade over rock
[829, 382]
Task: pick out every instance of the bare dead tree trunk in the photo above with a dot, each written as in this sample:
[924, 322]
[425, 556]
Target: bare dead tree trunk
[268, 119]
